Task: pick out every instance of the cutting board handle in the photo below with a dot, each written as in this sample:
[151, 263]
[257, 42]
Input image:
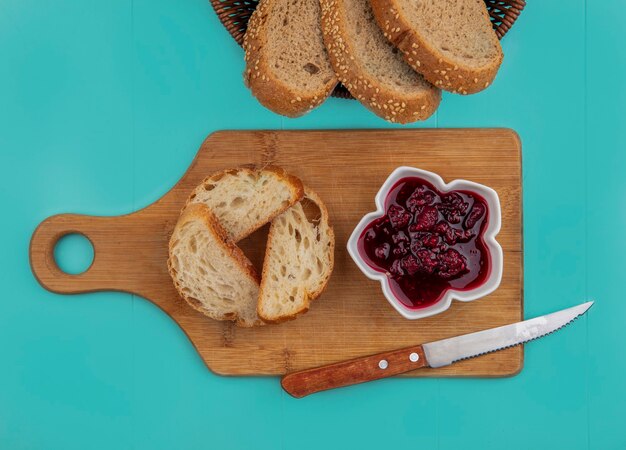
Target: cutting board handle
[113, 247]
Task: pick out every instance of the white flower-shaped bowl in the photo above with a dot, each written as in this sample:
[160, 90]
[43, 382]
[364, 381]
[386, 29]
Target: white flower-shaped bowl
[493, 227]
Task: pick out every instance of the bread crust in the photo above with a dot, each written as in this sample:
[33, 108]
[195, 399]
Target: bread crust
[201, 212]
[297, 190]
[437, 68]
[376, 97]
[271, 92]
[310, 296]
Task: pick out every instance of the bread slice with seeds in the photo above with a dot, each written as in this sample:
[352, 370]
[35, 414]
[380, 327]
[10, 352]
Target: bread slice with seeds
[452, 43]
[287, 67]
[370, 67]
[245, 199]
[299, 259]
[209, 271]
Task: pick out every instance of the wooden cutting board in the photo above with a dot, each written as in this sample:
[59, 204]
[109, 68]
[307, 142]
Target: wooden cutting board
[352, 318]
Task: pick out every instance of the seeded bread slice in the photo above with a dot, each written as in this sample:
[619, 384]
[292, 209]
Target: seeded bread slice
[370, 67]
[299, 259]
[452, 43]
[245, 199]
[287, 67]
[210, 272]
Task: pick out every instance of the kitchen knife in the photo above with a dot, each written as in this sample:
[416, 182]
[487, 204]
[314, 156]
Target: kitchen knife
[434, 354]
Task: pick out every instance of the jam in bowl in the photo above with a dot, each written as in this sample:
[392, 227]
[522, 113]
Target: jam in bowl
[429, 242]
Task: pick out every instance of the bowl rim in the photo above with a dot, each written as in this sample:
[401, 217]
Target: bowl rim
[493, 228]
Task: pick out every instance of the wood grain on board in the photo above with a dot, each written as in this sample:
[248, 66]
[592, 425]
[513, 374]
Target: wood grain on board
[352, 317]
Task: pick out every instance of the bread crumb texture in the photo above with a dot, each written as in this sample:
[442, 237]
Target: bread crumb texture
[299, 260]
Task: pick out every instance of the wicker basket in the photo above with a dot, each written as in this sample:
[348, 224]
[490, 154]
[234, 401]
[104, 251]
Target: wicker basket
[234, 15]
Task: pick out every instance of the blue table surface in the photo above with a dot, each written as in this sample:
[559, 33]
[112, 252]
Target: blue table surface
[103, 105]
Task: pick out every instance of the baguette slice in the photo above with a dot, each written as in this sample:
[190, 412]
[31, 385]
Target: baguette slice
[287, 67]
[210, 272]
[451, 43]
[299, 259]
[370, 67]
[245, 199]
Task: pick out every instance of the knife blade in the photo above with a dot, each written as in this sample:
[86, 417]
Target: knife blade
[433, 354]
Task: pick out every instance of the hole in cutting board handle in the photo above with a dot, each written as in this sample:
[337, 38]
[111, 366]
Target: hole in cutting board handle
[73, 253]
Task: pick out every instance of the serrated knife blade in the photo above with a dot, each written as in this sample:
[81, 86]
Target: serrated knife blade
[433, 354]
[447, 351]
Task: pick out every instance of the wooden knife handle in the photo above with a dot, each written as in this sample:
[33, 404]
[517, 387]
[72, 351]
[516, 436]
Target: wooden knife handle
[360, 370]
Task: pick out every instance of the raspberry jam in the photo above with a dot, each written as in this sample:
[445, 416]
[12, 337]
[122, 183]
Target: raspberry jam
[428, 242]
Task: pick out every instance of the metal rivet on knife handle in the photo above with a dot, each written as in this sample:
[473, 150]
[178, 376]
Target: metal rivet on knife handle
[383, 364]
[414, 357]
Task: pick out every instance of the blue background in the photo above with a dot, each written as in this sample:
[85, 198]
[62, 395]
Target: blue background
[103, 105]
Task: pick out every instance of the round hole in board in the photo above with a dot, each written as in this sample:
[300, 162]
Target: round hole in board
[73, 253]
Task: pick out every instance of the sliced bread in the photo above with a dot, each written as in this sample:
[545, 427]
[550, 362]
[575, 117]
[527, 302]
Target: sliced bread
[209, 271]
[245, 199]
[370, 67]
[452, 43]
[298, 261]
[287, 67]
